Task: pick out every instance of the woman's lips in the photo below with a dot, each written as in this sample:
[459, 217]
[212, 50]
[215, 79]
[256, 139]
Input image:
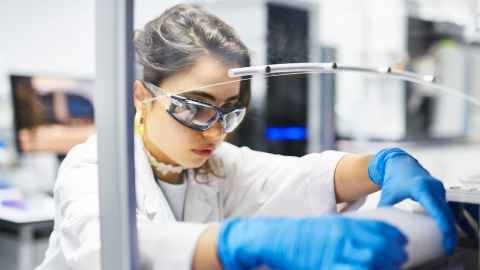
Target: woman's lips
[204, 152]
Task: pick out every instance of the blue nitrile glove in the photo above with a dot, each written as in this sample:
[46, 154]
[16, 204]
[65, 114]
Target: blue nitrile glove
[330, 243]
[401, 177]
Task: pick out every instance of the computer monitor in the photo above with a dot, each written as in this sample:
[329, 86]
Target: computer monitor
[51, 114]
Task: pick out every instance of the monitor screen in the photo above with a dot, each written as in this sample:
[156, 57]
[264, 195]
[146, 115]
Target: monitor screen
[51, 114]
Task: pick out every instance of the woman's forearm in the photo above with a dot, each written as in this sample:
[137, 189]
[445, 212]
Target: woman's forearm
[205, 255]
[351, 178]
[351, 183]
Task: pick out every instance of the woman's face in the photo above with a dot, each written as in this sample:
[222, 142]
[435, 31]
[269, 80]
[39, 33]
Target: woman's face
[168, 140]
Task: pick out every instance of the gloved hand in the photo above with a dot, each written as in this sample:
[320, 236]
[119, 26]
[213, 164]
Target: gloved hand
[401, 177]
[330, 243]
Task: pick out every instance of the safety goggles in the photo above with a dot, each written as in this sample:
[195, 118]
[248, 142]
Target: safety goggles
[196, 114]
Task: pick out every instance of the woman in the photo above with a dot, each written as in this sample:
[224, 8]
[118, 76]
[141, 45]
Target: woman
[195, 191]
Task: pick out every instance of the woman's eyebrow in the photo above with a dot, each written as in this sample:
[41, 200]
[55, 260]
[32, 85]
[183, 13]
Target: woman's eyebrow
[232, 98]
[208, 96]
[200, 94]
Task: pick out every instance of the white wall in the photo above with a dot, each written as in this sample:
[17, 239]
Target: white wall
[52, 36]
[367, 33]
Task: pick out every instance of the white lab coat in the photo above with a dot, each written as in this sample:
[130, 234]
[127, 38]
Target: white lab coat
[255, 184]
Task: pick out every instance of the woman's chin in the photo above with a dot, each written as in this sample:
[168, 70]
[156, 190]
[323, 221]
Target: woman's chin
[194, 163]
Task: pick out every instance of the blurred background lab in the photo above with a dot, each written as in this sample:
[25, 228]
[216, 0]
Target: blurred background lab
[47, 85]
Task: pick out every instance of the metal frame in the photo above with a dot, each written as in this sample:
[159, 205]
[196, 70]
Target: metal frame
[327, 123]
[114, 122]
[316, 93]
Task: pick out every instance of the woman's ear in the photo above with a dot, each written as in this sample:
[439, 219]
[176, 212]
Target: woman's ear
[139, 95]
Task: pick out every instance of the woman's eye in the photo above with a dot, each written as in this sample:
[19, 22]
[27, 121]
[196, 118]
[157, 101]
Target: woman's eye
[179, 108]
[192, 108]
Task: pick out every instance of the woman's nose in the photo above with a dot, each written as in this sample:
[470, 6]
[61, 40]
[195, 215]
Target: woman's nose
[213, 133]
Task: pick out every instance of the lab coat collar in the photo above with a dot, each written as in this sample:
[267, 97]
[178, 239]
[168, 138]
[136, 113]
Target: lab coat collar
[150, 198]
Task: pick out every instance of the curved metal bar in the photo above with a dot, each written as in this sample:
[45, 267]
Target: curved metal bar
[308, 68]
[388, 71]
[325, 67]
[280, 68]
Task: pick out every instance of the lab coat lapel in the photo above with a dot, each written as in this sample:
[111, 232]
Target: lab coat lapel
[201, 201]
[150, 198]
